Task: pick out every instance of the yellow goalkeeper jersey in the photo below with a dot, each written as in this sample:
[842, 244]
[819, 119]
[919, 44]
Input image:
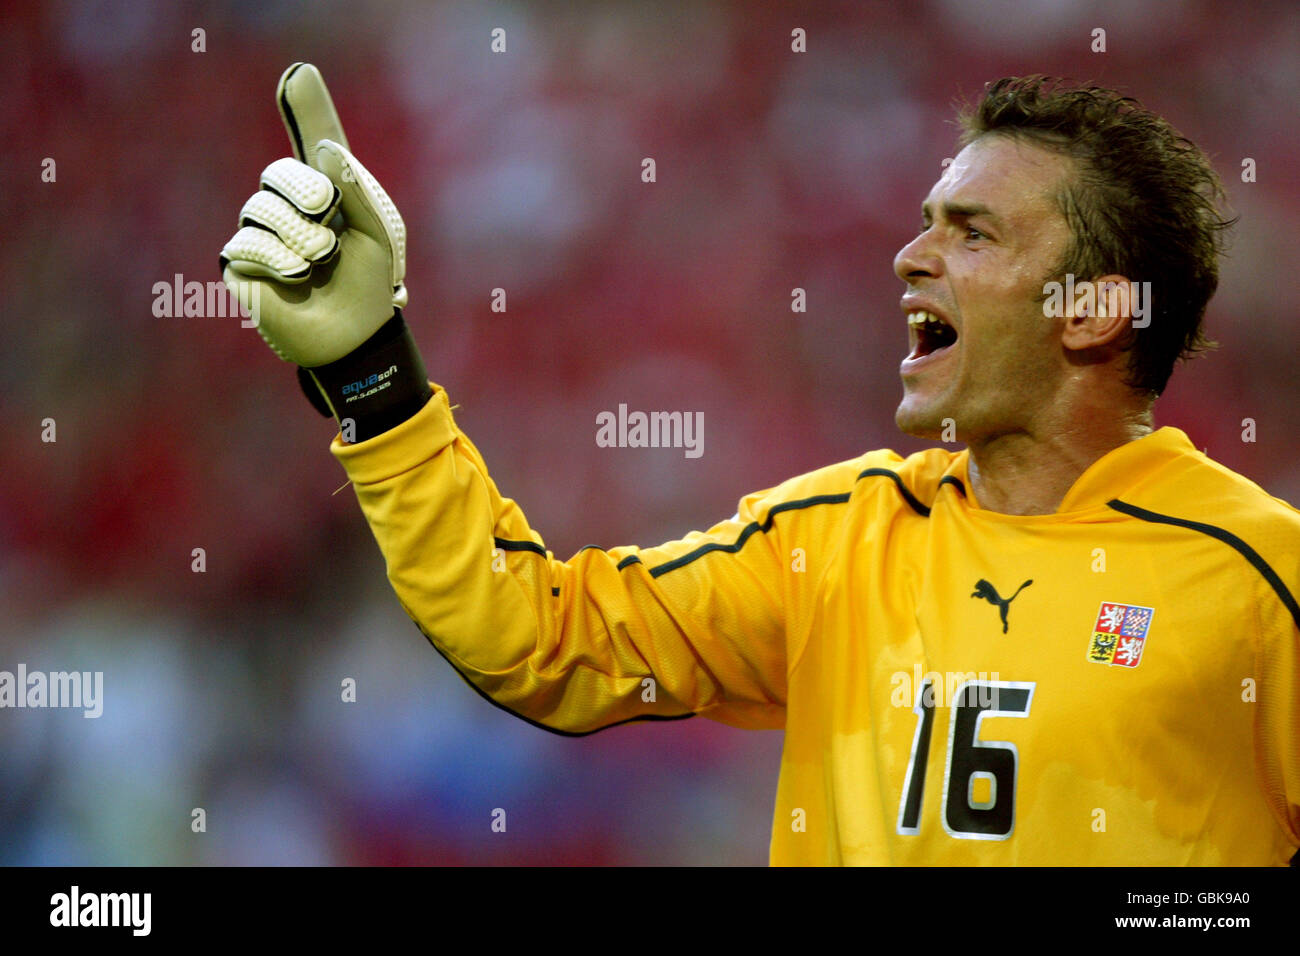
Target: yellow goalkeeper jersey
[1111, 684]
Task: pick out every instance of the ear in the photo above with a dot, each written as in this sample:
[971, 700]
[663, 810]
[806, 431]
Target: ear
[1102, 313]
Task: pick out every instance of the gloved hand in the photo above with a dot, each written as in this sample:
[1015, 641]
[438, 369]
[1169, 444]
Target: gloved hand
[327, 248]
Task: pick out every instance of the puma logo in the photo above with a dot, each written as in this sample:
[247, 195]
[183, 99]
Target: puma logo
[985, 590]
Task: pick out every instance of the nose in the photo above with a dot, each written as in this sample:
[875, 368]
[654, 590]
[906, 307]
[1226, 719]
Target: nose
[918, 259]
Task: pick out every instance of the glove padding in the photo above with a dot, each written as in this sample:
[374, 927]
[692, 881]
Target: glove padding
[322, 238]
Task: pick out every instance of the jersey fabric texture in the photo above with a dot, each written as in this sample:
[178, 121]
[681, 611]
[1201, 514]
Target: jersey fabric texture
[1111, 684]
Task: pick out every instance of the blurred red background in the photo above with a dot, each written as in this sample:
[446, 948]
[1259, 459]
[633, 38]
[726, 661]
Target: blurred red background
[517, 170]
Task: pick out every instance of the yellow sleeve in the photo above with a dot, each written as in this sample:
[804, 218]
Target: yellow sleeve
[1278, 727]
[1277, 722]
[693, 626]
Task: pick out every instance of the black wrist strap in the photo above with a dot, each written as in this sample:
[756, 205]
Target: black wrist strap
[376, 386]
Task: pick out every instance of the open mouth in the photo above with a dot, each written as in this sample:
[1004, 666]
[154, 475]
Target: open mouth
[932, 333]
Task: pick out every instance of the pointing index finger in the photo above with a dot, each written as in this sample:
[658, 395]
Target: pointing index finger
[307, 111]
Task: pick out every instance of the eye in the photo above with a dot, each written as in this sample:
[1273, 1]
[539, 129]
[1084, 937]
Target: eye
[973, 233]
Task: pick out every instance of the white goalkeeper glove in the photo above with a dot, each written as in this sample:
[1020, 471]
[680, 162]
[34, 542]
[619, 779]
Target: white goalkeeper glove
[327, 248]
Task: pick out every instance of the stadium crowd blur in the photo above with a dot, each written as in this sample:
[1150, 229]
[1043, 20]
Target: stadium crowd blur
[521, 171]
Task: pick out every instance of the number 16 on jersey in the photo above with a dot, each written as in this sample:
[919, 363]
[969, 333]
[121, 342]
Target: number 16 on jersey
[979, 780]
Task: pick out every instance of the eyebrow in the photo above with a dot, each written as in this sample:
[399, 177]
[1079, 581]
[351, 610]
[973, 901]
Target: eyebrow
[962, 210]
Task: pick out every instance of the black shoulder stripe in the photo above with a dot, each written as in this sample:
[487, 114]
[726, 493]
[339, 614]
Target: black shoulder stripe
[903, 490]
[506, 544]
[1228, 538]
[745, 533]
[955, 482]
[753, 526]
[796, 505]
[563, 733]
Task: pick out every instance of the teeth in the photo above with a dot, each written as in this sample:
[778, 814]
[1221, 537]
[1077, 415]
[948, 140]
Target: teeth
[921, 317]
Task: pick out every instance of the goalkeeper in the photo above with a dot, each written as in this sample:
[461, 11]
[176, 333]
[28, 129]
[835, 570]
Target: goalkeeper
[1074, 642]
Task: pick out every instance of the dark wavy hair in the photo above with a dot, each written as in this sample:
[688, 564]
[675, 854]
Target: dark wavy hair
[1145, 204]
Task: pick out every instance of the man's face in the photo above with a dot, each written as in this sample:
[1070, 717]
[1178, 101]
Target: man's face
[992, 235]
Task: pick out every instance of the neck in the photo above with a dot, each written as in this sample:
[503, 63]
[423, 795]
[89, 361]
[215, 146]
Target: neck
[1028, 471]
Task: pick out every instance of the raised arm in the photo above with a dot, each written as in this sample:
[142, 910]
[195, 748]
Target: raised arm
[694, 626]
[699, 625]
